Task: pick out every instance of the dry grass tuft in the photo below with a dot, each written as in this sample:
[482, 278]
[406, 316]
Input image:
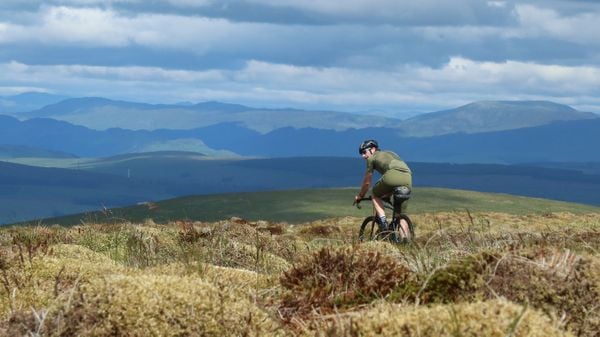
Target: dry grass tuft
[320, 230]
[558, 283]
[146, 305]
[497, 318]
[338, 278]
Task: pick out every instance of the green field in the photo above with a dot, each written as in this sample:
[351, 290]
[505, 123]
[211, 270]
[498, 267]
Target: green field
[296, 206]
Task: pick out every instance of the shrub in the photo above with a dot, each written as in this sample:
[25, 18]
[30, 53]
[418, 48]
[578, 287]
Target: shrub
[339, 278]
[459, 280]
[556, 282]
[320, 230]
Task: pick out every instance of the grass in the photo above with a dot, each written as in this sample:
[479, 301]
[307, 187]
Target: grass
[517, 275]
[486, 271]
[529, 272]
[297, 206]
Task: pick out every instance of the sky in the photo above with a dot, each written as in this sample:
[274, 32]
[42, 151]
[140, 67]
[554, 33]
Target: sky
[389, 57]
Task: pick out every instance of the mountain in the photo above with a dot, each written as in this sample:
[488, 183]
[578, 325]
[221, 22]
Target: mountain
[101, 113]
[486, 116]
[61, 136]
[27, 102]
[18, 151]
[568, 141]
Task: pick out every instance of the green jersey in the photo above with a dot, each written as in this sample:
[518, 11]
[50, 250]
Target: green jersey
[383, 161]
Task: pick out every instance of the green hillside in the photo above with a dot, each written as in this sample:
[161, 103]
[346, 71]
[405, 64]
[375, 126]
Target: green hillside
[296, 206]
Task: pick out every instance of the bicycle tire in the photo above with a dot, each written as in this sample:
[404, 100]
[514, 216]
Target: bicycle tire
[398, 228]
[368, 229]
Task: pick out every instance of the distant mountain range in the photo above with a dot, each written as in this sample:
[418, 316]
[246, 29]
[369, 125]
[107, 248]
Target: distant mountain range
[101, 114]
[481, 132]
[569, 141]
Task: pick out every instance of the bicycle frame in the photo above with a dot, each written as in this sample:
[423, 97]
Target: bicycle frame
[397, 216]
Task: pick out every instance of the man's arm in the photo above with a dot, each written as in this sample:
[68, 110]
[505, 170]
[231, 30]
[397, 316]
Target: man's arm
[365, 185]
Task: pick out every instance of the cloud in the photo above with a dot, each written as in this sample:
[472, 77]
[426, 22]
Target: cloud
[356, 45]
[266, 84]
[349, 55]
[421, 13]
[542, 22]
[108, 28]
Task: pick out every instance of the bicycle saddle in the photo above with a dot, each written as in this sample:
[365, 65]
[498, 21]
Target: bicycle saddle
[402, 192]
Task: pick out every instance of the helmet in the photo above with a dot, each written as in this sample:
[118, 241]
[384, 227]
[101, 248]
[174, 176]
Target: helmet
[367, 144]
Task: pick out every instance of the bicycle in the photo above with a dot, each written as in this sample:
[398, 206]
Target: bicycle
[369, 229]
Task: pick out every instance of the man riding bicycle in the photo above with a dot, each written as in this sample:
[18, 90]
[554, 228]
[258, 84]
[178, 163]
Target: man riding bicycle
[396, 179]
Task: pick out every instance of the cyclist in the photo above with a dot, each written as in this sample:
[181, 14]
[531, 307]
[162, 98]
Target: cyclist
[396, 178]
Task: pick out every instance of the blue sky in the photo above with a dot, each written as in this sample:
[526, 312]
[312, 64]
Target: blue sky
[394, 57]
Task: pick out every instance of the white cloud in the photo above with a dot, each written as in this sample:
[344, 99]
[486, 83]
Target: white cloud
[109, 28]
[87, 2]
[350, 66]
[178, 3]
[514, 77]
[367, 7]
[190, 3]
[498, 4]
[9, 32]
[8, 90]
[542, 22]
[16, 71]
[85, 25]
[266, 84]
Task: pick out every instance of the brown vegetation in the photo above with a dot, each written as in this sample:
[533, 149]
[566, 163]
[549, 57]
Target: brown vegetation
[468, 274]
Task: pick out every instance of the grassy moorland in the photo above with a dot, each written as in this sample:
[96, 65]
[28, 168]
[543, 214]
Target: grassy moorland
[530, 268]
[297, 206]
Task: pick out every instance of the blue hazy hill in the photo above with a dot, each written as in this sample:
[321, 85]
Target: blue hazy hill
[569, 141]
[486, 116]
[483, 116]
[101, 113]
[27, 101]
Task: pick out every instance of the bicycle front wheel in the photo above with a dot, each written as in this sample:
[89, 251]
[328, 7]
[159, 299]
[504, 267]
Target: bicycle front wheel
[368, 229]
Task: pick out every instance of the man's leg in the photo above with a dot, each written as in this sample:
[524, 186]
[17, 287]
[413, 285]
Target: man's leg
[380, 189]
[400, 206]
[378, 203]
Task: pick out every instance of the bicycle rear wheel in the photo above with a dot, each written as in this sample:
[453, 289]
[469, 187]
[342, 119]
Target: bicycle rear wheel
[369, 229]
[400, 232]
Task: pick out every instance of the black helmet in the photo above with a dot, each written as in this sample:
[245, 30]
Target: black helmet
[367, 144]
